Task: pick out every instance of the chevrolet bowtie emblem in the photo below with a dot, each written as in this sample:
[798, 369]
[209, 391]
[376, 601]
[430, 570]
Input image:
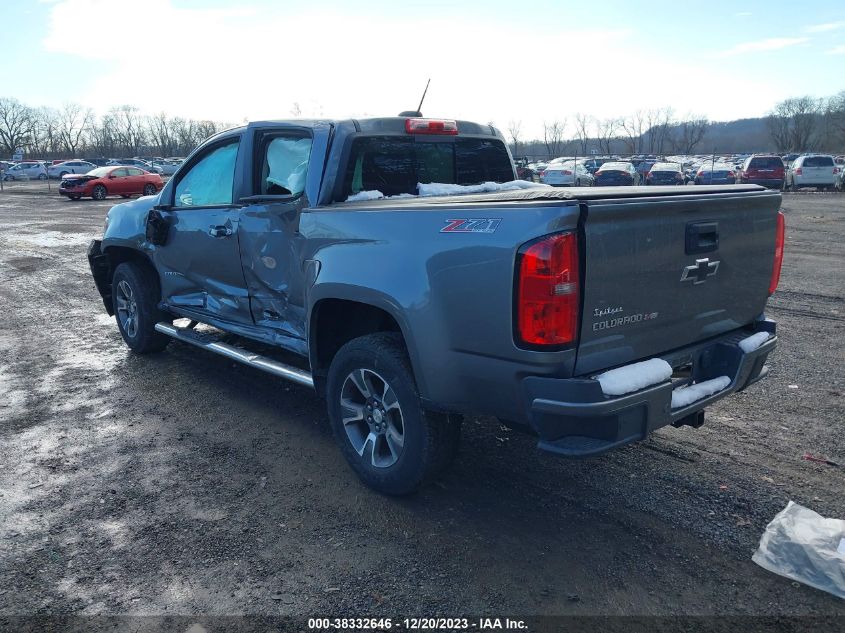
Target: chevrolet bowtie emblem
[700, 271]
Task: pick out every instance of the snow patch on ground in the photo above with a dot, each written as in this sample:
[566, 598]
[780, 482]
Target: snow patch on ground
[52, 239]
[683, 396]
[754, 341]
[634, 377]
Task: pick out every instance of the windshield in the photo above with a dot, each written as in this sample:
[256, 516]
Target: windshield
[395, 165]
[99, 172]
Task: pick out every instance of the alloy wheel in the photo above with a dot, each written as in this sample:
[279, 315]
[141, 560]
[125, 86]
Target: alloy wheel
[372, 418]
[127, 308]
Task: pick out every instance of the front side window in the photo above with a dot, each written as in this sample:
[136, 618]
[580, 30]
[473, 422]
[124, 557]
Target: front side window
[285, 165]
[395, 165]
[210, 180]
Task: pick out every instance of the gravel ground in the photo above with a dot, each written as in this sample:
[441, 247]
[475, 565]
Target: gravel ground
[183, 484]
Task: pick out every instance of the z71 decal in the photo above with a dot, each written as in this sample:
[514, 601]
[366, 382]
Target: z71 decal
[471, 225]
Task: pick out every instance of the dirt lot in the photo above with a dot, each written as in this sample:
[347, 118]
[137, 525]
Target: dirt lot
[183, 484]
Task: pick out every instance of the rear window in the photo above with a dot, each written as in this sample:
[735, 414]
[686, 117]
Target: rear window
[666, 167]
[770, 162]
[394, 165]
[818, 161]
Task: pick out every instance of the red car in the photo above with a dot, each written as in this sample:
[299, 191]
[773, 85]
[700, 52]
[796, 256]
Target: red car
[107, 181]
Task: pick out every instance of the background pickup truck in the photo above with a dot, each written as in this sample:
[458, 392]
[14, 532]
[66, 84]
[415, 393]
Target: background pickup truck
[314, 250]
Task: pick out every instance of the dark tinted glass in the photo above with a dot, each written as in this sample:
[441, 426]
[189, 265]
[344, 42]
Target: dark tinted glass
[765, 163]
[395, 165]
[818, 161]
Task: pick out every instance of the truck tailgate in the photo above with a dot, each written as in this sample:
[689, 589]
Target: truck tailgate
[664, 272]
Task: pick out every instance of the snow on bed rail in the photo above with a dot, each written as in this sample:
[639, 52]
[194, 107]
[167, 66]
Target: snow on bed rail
[425, 190]
[634, 377]
[442, 189]
[683, 396]
[754, 341]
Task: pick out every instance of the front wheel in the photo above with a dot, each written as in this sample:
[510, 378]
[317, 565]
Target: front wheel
[375, 411]
[99, 193]
[135, 296]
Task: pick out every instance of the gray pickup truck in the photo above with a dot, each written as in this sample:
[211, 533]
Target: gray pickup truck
[326, 253]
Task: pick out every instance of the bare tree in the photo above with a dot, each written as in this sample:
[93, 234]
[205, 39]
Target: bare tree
[835, 118]
[688, 134]
[553, 137]
[660, 123]
[16, 124]
[606, 133]
[128, 128]
[74, 121]
[515, 133]
[161, 134]
[634, 127]
[582, 131]
[46, 138]
[793, 123]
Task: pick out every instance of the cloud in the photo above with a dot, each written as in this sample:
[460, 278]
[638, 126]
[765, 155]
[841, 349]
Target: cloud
[824, 28]
[231, 64]
[837, 50]
[771, 44]
[743, 14]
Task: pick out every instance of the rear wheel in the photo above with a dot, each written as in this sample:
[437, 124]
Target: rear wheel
[99, 193]
[149, 190]
[390, 441]
[135, 297]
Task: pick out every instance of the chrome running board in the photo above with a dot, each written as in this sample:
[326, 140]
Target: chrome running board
[246, 357]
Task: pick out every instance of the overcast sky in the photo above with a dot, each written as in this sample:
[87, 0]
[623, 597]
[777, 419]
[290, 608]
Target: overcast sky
[488, 61]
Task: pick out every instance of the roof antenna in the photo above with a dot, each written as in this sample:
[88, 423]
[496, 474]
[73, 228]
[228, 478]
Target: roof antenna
[419, 107]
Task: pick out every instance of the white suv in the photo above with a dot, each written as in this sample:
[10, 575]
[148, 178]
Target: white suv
[812, 170]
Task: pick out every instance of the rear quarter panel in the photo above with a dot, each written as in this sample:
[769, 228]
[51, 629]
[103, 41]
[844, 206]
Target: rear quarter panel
[451, 293]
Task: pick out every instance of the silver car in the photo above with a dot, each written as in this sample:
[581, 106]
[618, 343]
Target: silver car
[61, 170]
[26, 171]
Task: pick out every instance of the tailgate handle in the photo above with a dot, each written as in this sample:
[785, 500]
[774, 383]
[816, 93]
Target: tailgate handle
[702, 237]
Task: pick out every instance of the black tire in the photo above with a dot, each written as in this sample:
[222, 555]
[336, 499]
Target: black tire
[42, 176]
[140, 303]
[149, 189]
[429, 440]
[62, 175]
[99, 193]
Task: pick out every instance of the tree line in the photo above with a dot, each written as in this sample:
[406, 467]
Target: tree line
[74, 131]
[798, 124]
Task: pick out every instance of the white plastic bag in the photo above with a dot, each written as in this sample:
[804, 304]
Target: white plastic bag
[805, 546]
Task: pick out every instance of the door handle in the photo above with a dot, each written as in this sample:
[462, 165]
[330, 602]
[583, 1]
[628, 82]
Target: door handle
[220, 231]
[702, 237]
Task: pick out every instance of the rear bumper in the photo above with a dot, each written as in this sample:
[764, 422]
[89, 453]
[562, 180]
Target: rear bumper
[771, 183]
[573, 418]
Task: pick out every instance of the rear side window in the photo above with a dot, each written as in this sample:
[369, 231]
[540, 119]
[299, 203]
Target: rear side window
[284, 164]
[209, 181]
[394, 165]
[766, 163]
[818, 161]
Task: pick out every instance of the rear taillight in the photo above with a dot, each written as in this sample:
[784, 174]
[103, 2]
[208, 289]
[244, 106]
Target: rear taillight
[548, 291]
[797, 171]
[566, 172]
[780, 238]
